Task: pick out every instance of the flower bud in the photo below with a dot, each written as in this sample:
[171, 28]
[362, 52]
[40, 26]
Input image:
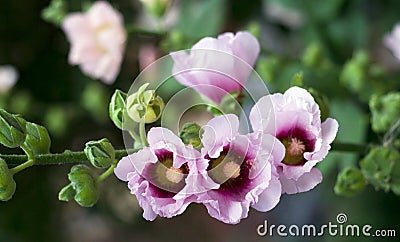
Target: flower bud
[144, 105]
[100, 153]
[7, 183]
[350, 181]
[156, 7]
[117, 107]
[55, 12]
[37, 138]
[67, 193]
[12, 129]
[190, 134]
[385, 111]
[82, 181]
[381, 167]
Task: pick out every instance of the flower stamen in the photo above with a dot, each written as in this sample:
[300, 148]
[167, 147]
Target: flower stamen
[231, 170]
[174, 175]
[296, 147]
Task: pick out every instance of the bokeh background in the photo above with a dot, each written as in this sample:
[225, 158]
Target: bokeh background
[316, 38]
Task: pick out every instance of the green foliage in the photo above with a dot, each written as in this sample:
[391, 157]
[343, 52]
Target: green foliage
[350, 181]
[7, 183]
[12, 129]
[100, 153]
[156, 7]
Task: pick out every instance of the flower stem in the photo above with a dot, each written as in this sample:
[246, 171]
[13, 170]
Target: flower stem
[349, 147]
[142, 131]
[22, 166]
[106, 174]
[67, 157]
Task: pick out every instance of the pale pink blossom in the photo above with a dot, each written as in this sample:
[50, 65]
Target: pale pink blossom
[163, 176]
[240, 169]
[294, 118]
[8, 77]
[392, 41]
[97, 40]
[215, 67]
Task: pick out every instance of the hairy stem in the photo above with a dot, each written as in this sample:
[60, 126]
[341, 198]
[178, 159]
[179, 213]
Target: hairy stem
[67, 157]
[106, 174]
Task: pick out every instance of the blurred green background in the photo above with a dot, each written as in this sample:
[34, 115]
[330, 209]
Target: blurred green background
[335, 44]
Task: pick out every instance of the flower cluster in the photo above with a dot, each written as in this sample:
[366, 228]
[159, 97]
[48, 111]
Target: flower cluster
[230, 172]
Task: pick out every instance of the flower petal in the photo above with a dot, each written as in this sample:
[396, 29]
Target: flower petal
[304, 183]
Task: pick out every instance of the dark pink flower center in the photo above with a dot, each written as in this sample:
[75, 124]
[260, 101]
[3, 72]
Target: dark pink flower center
[296, 141]
[165, 179]
[231, 170]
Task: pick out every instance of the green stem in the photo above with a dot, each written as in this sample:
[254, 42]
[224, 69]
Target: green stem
[106, 174]
[349, 147]
[135, 136]
[22, 166]
[67, 157]
[142, 131]
[28, 152]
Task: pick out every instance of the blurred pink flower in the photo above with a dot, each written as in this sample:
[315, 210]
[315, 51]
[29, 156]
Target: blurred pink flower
[162, 175]
[8, 77]
[217, 66]
[97, 40]
[240, 169]
[294, 118]
[392, 41]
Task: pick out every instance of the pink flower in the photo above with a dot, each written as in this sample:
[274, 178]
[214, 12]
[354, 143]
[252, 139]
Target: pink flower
[8, 78]
[162, 175]
[294, 118]
[392, 41]
[240, 169]
[97, 40]
[217, 66]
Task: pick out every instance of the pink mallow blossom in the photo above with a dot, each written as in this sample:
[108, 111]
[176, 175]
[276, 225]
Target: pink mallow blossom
[294, 118]
[215, 67]
[97, 40]
[240, 169]
[392, 41]
[163, 176]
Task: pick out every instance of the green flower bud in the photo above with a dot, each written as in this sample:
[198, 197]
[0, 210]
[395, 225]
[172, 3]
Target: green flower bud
[100, 153]
[7, 183]
[144, 105]
[297, 79]
[350, 181]
[268, 67]
[84, 185]
[37, 139]
[190, 134]
[67, 193]
[12, 129]
[156, 7]
[312, 55]
[117, 107]
[381, 167]
[354, 74]
[385, 111]
[55, 12]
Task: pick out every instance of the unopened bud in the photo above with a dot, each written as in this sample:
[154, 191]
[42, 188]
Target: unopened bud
[144, 105]
[84, 184]
[190, 134]
[385, 111]
[156, 7]
[7, 183]
[350, 181]
[100, 153]
[37, 139]
[12, 129]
